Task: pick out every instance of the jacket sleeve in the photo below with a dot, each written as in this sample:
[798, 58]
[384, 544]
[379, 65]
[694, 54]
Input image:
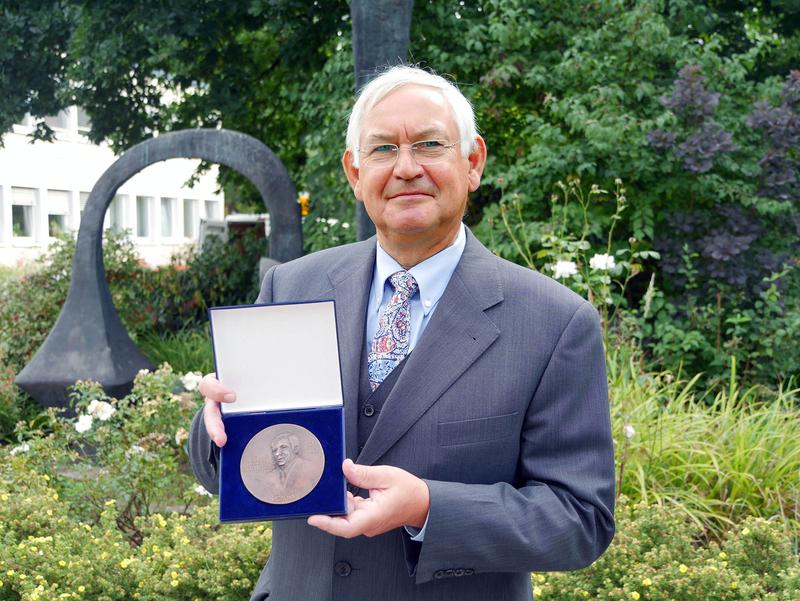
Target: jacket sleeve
[203, 453]
[560, 514]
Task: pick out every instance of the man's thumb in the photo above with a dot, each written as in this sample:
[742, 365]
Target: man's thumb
[364, 476]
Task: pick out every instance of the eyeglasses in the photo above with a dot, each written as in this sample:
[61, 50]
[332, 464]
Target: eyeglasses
[425, 152]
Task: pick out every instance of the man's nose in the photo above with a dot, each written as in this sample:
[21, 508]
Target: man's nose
[406, 166]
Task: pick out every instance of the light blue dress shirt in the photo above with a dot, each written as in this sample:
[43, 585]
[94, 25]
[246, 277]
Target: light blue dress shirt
[432, 276]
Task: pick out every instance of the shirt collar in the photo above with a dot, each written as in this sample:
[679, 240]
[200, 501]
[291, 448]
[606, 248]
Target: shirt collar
[432, 275]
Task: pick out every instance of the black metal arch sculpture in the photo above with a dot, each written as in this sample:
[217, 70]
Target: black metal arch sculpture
[89, 340]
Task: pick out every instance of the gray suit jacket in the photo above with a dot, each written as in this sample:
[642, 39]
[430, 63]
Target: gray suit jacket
[502, 408]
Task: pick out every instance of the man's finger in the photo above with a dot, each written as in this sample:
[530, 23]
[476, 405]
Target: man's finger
[215, 390]
[368, 476]
[213, 421]
[348, 526]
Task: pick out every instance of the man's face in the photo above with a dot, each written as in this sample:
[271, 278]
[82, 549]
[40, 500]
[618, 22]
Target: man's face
[408, 201]
[282, 452]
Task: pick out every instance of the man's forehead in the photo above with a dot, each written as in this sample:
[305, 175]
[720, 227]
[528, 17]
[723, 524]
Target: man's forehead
[418, 111]
[429, 131]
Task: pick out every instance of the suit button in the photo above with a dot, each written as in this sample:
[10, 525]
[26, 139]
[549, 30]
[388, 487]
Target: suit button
[342, 568]
[449, 573]
[459, 572]
[438, 574]
[468, 571]
[369, 410]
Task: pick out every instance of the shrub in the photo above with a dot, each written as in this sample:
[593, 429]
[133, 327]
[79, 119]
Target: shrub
[657, 554]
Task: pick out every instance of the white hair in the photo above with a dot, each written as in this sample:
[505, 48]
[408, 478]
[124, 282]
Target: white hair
[403, 75]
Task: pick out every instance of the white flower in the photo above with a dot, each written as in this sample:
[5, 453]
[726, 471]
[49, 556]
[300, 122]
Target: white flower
[134, 450]
[23, 448]
[629, 431]
[564, 269]
[181, 436]
[191, 380]
[101, 410]
[143, 372]
[200, 490]
[332, 221]
[346, 225]
[84, 423]
[604, 262]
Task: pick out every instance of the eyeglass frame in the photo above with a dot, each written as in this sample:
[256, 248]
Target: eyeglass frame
[412, 150]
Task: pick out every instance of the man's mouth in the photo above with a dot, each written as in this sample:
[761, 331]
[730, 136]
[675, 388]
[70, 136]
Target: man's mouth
[409, 194]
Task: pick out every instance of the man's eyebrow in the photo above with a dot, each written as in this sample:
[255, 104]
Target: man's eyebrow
[427, 133]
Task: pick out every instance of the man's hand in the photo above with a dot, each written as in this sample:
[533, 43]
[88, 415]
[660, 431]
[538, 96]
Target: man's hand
[215, 393]
[396, 498]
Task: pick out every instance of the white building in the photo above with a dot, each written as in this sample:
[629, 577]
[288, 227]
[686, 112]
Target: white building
[44, 188]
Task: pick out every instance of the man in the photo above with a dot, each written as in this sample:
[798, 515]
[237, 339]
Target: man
[476, 407]
[291, 477]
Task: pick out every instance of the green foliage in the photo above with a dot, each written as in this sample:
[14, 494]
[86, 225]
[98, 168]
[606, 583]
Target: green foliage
[222, 273]
[30, 304]
[572, 248]
[655, 555]
[33, 61]
[716, 457]
[130, 450]
[186, 350]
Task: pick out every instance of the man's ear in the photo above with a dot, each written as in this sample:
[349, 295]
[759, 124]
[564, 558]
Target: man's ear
[352, 173]
[477, 161]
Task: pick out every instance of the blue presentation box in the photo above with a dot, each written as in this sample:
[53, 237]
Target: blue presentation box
[285, 431]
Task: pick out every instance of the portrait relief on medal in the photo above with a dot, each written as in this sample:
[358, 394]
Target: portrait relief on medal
[282, 464]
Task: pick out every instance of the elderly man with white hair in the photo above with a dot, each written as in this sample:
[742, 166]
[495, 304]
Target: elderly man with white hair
[476, 408]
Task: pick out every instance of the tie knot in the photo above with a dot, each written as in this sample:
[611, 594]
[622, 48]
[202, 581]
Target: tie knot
[404, 283]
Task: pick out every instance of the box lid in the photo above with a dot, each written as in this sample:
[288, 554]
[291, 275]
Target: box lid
[277, 356]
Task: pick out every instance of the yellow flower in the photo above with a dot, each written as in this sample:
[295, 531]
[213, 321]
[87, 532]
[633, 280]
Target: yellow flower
[185, 541]
[62, 563]
[110, 502]
[723, 555]
[745, 531]
[303, 200]
[55, 496]
[4, 498]
[585, 594]
[647, 582]
[174, 583]
[124, 563]
[734, 585]
[10, 573]
[1, 583]
[635, 596]
[174, 575]
[540, 578]
[22, 576]
[683, 569]
[537, 591]
[81, 588]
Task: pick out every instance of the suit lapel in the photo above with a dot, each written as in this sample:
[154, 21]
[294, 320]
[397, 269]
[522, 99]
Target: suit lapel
[351, 280]
[456, 335]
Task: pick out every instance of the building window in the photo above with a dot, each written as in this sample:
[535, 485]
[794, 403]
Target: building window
[22, 203]
[212, 210]
[190, 219]
[116, 213]
[60, 121]
[84, 198]
[84, 123]
[167, 217]
[142, 216]
[57, 211]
